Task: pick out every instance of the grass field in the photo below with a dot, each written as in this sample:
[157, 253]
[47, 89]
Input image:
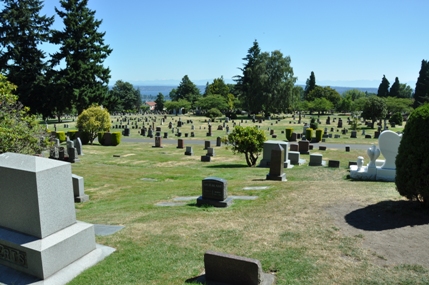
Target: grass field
[289, 227]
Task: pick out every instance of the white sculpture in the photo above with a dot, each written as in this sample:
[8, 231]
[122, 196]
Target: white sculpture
[380, 170]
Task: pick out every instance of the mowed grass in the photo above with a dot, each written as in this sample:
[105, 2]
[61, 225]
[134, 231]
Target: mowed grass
[277, 123]
[288, 228]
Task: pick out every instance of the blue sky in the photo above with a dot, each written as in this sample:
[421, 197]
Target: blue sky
[345, 43]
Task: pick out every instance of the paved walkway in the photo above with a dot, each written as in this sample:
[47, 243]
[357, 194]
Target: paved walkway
[213, 142]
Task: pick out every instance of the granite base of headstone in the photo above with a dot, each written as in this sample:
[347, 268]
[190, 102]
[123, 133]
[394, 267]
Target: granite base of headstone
[214, 193]
[206, 158]
[40, 235]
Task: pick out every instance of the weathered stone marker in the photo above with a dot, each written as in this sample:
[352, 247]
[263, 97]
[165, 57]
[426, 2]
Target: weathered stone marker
[214, 192]
[234, 270]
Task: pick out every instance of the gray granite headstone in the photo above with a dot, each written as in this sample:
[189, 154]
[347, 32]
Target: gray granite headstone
[214, 192]
[39, 234]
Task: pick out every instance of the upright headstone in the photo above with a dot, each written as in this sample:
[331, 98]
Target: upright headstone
[304, 147]
[206, 144]
[266, 153]
[218, 141]
[214, 192]
[189, 150]
[180, 143]
[276, 164]
[39, 235]
[78, 189]
[158, 142]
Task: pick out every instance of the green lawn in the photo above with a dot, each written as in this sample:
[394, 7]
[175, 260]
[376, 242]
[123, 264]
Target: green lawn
[288, 228]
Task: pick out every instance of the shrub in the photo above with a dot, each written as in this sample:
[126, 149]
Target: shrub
[84, 137]
[289, 132]
[72, 134]
[247, 140]
[313, 124]
[412, 161]
[213, 113]
[61, 136]
[116, 138]
[19, 130]
[319, 134]
[308, 134]
[396, 118]
[93, 120]
[100, 138]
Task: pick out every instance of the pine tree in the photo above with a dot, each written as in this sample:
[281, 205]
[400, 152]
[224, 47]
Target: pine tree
[421, 93]
[83, 49]
[248, 84]
[310, 84]
[22, 29]
[383, 88]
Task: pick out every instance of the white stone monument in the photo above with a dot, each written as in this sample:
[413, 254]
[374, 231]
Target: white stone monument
[379, 170]
[39, 234]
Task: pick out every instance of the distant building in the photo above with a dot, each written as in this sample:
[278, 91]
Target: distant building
[151, 105]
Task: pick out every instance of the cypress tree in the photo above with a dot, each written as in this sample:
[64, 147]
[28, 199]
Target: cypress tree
[394, 90]
[421, 93]
[310, 85]
[383, 88]
[22, 29]
[84, 79]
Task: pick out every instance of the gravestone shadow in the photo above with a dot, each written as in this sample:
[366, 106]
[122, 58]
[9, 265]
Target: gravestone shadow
[388, 215]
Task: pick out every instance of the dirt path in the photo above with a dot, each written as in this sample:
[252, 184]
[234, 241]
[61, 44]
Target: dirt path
[397, 232]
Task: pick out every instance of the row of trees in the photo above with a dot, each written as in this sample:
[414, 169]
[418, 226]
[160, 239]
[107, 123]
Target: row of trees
[70, 79]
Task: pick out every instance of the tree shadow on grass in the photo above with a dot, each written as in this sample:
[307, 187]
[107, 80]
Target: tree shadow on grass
[387, 215]
[228, 166]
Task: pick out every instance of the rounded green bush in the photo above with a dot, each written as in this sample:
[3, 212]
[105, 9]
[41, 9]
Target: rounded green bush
[116, 138]
[396, 118]
[412, 160]
[289, 132]
[319, 134]
[72, 134]
[308, 134]
[61, 136]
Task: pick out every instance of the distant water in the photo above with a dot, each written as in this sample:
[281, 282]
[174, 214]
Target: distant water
[165, 90]
[150, 92]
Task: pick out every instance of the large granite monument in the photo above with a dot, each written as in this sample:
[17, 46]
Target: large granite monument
[39, 234]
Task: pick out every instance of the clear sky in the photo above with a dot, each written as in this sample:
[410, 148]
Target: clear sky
[345, 43]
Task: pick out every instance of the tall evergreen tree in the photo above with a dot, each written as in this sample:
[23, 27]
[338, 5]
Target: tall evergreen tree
[383, 88]
[248, 85]
[310, 85]
[421, 93]
[22, 29]
[84, 51]
[394, 90]
[160, 102]
[187, 90]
